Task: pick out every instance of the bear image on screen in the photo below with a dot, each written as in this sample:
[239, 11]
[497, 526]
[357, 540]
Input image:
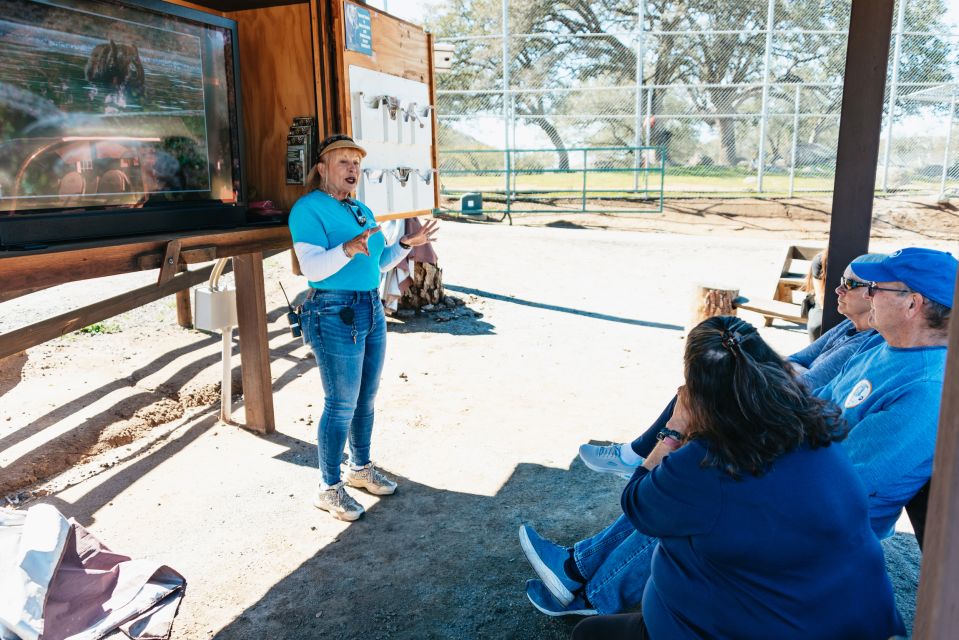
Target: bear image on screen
[111, 104]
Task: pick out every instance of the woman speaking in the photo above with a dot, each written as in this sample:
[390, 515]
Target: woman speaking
[342, 253]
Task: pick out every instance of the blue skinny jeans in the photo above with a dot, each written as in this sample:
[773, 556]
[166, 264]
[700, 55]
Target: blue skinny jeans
[347, 332]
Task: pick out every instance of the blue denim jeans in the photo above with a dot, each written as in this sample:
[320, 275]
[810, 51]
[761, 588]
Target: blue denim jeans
[615, 563]
[350, 357]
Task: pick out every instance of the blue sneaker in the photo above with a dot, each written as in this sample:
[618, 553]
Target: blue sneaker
[546, 603]
[547, 560]
[607, 459]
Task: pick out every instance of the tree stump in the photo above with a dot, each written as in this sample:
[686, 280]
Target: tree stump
[711, 301]
[426, 288]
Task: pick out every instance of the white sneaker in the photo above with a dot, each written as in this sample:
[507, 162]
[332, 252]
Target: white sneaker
[339, 503]
[607, 459]
[370, 478]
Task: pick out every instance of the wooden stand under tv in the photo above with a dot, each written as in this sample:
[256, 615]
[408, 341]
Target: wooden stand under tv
[25, 271]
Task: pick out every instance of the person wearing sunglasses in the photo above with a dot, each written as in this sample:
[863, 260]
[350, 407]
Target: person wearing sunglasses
[891, 389]
[612, 566]
[342, 253]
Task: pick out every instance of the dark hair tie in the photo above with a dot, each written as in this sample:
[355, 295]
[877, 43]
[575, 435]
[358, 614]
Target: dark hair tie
[732, 341]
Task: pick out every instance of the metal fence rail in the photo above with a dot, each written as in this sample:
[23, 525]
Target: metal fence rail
[532, 180]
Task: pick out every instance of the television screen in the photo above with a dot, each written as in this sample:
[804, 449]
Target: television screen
[116, 106]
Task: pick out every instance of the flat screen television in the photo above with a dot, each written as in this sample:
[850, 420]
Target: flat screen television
[117, 118]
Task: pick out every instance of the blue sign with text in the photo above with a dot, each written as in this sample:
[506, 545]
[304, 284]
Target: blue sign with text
[359, 34]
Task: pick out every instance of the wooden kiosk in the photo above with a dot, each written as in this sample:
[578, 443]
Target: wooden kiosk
[294, 59]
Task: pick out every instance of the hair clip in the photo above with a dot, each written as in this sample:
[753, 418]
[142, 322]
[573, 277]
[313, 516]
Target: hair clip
[732, 340]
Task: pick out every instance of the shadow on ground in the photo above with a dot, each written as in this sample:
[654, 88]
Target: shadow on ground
[429, 563]
[458, 321]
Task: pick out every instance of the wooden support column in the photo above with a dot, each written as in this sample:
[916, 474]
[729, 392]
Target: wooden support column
[867, 54]
[184, 312]
[937, 611]
[254, 347]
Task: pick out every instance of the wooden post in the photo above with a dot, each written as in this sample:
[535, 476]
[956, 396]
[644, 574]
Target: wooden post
[937, 612]
[711, 301]
[860, 121]
[184, 313]
[254, 347]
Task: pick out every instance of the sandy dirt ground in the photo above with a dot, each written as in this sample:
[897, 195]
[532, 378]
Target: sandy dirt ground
[571, 331]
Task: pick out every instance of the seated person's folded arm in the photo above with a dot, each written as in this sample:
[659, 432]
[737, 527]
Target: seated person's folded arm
[677, 498]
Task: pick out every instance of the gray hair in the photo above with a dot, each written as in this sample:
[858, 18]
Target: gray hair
[937, 314]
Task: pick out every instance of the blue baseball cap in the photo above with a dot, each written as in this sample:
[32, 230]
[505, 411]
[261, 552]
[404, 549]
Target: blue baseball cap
[927, 271]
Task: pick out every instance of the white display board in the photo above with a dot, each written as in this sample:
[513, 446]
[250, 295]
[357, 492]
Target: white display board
[393, 121]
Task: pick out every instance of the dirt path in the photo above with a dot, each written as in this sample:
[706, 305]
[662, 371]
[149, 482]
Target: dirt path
[567, 335]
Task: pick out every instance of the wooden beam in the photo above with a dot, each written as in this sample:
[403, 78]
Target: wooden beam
[254, 347]
[937, 612]
[404, 214]
[81, 261]
[323, 61]
[38, 333]
[864, 82]
[184, 310]
[431, 58]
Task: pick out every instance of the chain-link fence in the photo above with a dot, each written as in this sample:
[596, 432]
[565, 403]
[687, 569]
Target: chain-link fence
[744, 95]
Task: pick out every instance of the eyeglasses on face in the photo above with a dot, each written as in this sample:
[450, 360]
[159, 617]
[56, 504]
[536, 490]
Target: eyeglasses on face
[354, 208]
[849, 284]
[872, 288]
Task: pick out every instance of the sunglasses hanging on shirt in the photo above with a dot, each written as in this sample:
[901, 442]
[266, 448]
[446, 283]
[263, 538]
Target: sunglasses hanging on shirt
[351, 206]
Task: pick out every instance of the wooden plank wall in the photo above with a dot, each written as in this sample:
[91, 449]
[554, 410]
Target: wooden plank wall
[277, 78]
[399, 49]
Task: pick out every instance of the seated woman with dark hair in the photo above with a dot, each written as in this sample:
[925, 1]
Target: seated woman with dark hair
[763, 526]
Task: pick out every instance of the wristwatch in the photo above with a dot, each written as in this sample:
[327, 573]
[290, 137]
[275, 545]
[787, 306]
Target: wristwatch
[666, 432]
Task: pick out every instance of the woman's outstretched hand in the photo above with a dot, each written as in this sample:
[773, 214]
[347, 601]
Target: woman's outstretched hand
[427, 233]
[359, 243]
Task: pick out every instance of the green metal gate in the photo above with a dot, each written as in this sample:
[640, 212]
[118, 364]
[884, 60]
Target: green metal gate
[575, 180]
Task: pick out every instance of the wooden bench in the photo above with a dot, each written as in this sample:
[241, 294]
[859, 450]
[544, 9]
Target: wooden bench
[770, 309]
[787, 297]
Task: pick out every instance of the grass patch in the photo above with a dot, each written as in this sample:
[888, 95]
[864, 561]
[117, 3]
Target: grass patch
[99, 328]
